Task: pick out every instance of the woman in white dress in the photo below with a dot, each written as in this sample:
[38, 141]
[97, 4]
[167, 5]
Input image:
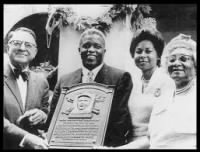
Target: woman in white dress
[173, 125]
[154, 85]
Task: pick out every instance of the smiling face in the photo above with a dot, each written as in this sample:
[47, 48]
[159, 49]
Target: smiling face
[83, 102]
[21, 48]
[92, 50]
[145, 55]
[181, 66]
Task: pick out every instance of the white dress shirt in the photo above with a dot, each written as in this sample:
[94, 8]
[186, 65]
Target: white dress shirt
[22, 85]
[94, 71]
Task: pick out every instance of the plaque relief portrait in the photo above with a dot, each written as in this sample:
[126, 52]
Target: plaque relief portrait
[82, 106]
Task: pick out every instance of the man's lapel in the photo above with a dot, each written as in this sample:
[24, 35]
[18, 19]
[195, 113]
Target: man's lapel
[11, 82]
[31, 89]
[101, 75]
[77, 77]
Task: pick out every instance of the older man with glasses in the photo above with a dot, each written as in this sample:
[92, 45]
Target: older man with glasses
[25, 92]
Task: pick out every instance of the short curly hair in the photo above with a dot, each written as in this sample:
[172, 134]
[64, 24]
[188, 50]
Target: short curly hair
[92, 31]
[152, 35]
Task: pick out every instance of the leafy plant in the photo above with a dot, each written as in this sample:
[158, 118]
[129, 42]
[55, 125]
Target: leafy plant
[117, 12]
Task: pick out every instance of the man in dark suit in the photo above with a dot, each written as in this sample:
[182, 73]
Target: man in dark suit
[92, 49]
[25, 92]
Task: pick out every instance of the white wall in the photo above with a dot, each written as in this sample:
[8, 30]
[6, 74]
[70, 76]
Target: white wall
[69, 58]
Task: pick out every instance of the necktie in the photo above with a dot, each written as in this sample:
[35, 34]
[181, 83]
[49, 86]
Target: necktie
[24, 74]
[90, 77]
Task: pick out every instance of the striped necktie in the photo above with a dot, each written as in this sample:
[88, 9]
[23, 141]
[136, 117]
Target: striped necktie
[90, 76]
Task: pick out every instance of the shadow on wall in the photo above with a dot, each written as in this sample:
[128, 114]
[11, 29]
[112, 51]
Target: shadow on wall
[169, 35]
[173, 19]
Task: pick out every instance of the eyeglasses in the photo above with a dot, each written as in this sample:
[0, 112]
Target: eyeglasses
[182, 58]
[18, 44]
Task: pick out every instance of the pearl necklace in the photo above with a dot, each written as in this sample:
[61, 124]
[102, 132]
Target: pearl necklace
[185, 89]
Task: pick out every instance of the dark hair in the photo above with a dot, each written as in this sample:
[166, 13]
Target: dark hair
[10, 34]
[148, 34]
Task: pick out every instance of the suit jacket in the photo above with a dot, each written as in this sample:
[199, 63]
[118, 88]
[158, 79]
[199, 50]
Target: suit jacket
[119, 124]
[37, 97]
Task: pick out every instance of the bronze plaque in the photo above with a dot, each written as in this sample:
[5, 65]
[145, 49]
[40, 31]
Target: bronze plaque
[81, 116]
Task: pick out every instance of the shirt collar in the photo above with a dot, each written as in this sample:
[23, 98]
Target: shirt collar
[94, 71]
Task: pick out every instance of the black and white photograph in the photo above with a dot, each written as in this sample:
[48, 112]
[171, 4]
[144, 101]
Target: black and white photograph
[145, 53]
